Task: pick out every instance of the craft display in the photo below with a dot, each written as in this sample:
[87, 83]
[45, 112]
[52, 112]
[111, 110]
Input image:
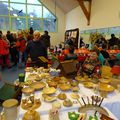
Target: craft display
[56, 104]
[75, 96]
[95, 106]
[10, 109]
[89, 84]
[67, 103]
[54, 114]
[51, 94]
[75, 89]
[29, 69]
[33, 77]
[42, 70]
[93, 118]
[76, 116]
[28, 90]
[48, 98]
[30, 103]
[104, 117]
[105, 80]
[74, 83]
[80, 79]
[63, 80]
[73, 116]
[52, 84]
[49, 90]
[62, 96]
[106, 87]
[31, 115]
[38, 85]
[65, 87]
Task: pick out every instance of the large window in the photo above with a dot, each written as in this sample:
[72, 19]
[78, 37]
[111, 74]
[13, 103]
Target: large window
[23, 14]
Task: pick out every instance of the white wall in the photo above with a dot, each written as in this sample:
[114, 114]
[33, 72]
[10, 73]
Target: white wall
[104, 13]
[59, 35]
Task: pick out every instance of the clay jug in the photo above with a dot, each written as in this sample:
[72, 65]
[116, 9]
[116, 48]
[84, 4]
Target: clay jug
[10, 109]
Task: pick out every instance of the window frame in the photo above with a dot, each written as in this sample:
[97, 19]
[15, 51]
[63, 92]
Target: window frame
[28, 17]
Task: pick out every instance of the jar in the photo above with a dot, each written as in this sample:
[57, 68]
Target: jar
[10, 109]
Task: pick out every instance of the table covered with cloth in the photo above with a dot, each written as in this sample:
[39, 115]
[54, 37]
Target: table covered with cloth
[110, 103]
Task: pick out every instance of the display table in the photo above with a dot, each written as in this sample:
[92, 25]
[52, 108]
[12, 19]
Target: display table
[43, 110]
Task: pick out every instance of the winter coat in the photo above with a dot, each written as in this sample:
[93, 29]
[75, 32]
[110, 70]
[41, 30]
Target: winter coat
[4, 47]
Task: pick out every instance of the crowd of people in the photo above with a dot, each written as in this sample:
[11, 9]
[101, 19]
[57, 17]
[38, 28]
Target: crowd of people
[112, 43]
[21, 50]
[18, 48]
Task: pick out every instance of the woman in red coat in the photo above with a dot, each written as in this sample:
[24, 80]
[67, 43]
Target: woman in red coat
[4, 53]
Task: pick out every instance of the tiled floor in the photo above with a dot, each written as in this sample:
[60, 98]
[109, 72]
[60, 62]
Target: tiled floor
[10, 75]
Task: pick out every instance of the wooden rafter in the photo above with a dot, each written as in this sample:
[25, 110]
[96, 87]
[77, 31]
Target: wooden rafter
[86, 12]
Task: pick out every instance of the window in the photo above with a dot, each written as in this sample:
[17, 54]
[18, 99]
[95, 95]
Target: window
[23, 14]
[49, 25]
[35, 23]
[34, 11]
[20, 1]
[34, 2]
[17, 9]
[18, 23]
[47, 13]
[4, 8]
[4, 21]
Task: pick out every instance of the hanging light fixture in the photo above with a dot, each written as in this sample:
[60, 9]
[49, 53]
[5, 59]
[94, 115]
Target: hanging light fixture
[55, 11]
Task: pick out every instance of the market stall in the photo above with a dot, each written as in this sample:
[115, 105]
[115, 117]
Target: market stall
[66, 95]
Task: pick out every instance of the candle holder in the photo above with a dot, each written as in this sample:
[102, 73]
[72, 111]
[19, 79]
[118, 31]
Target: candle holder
[94, 105]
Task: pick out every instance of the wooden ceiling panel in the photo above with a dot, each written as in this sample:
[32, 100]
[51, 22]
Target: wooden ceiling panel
[66, 5]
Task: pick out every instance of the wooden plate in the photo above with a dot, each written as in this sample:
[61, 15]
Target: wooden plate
[75, 96]
[34, 77]
[67, 103]
[80, 79]
[28, 90]
[48, 98]
[89, 84]
[106, 87]
[38, 85]
[62, 96]
[49, 90]
[65, 87]
[28, 116]
[33, 106]
[102, 80]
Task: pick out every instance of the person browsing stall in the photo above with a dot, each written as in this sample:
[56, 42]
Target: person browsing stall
[35, 49]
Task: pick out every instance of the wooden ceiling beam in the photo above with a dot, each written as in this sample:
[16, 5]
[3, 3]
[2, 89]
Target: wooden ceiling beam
[86, 12]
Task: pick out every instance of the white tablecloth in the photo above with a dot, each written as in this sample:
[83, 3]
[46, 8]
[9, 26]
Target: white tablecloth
[45, 107]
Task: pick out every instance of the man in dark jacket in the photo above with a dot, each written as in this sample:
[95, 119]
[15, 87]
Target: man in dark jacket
[46, 39]
[113, 41]
[36, 49]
